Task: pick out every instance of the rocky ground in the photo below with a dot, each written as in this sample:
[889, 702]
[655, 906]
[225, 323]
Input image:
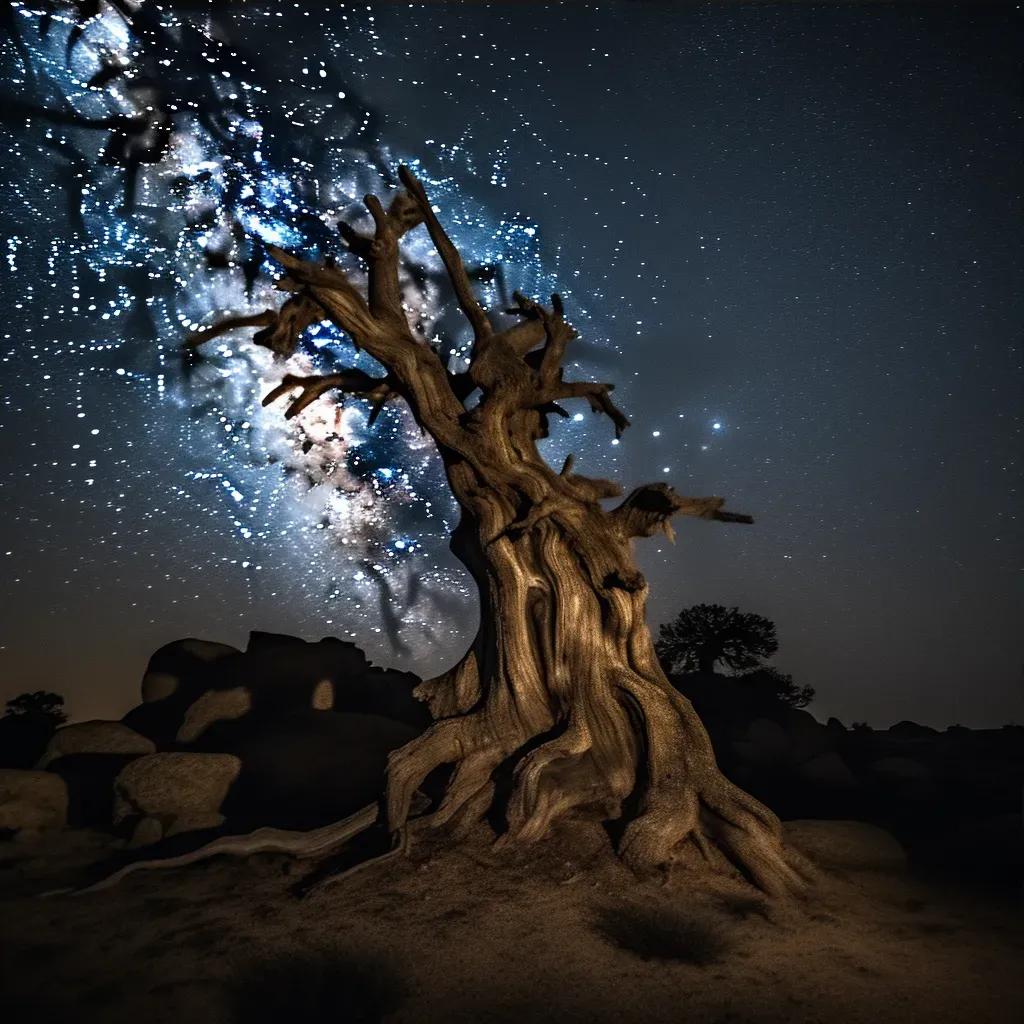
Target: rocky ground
[450, 935]
[919, 916]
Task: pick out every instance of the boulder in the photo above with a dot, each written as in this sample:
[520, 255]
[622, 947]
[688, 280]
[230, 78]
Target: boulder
[261, 641]
[90, 784]
[905, 777]
[313, 767]
[148, 830]
[289, 676]
[846, 845]
[298, 677]
[95, 737]
[32, 800]
[275, 676]
[764, 743]
[181, 663]
[828, 769]
[182, 790]
[177, 675]
[912, 731]
[323, 696]
[214, 706]
[807, 737]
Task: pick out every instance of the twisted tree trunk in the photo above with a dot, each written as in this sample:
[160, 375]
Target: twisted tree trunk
[563, 683]
[561, 686]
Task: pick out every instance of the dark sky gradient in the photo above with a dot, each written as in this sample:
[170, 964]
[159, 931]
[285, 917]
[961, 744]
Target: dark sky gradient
[800, 223]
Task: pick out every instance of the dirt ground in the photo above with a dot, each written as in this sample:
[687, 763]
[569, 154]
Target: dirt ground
[452, 935]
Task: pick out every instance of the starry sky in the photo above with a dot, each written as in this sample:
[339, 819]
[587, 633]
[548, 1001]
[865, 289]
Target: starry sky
[790, 234]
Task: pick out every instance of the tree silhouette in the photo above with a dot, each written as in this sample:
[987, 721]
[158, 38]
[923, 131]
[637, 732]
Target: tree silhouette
[706, 634]
[561, 690]
[774, 687]
[27, 726]
[40, 703]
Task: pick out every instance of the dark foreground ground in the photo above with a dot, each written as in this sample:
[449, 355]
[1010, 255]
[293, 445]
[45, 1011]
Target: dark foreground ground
[448, 936]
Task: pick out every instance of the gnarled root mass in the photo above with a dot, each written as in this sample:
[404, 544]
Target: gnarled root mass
[312, 845]
[574, 705]
[686, 805]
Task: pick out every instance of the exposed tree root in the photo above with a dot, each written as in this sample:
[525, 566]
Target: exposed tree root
[598, 755]
[312, 845]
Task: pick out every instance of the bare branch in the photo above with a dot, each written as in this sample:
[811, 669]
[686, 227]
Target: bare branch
[382, 287]
[417, 371]
[559, 334]
[357, 243]
[591, 488]
[585, 487]
[450, 257]
[535, 327]
[380, 253]
[232, 323]
[347, 307]
[649, 509]
[355, 382]
[282, 328]
[524, 336]
[596, 394]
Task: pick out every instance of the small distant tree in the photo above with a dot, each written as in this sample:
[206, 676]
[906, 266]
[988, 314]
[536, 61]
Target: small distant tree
[27, 726]
[40, 702]
[775, 687]
[861, 727]
[706, 634]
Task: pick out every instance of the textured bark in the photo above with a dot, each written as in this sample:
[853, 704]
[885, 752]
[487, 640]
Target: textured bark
[561, 690]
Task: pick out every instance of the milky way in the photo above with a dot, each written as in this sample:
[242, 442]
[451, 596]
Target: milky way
[355, 515]
[789, 234]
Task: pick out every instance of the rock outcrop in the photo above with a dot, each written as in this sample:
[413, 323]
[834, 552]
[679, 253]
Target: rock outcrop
[177, 675]
[179, 792]
[214, 706]
[32, 800]
[828, 769]
[220, 694]
[95, 737]
[179, 665]
[89, 779]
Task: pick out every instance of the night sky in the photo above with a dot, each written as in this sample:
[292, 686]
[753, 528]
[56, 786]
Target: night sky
[790, 234]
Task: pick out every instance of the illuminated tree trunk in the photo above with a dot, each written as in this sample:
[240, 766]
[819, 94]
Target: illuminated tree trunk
[561, 684]
[562, 680]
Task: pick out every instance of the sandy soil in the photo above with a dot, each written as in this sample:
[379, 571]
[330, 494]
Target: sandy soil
[446, 936]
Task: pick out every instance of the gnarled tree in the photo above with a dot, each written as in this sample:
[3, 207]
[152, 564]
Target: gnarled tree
[561, 685]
